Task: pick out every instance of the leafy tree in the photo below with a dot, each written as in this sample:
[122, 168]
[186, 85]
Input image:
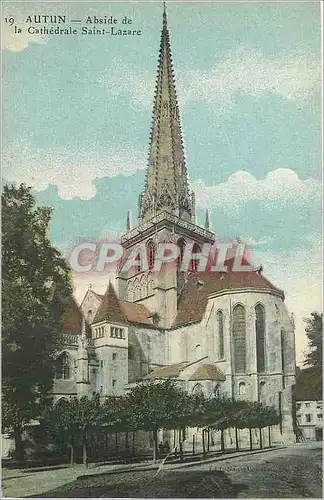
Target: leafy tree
[66, 422]
[152, 406]
[35, 279]
[314, 332]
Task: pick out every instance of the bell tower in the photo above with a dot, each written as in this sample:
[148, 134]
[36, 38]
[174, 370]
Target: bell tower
[166, 205]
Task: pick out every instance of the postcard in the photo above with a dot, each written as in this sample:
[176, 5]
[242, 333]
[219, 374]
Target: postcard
[161, 249]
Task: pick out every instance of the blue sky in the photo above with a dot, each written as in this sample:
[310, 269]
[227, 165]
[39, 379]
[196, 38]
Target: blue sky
[77, 115]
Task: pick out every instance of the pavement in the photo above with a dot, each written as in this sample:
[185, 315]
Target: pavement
[17, 483]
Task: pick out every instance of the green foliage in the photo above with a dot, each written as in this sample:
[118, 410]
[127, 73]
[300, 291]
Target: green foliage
[35, 280]
[256, 415]
[151, 406]
[314, 332]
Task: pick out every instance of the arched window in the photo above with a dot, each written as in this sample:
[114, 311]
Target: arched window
[260, 337]
[220, 327]
[63, 367]
[62, 403]
[242, 389]
[239, 338]
[262, 388]
[181, 245]
[197, 351]
[149, 284]
[197, 390]
[138, 259]
[143, 287]
[150, 254]
[136, 289]
[195, 262]
[90, 316]
[283, 358]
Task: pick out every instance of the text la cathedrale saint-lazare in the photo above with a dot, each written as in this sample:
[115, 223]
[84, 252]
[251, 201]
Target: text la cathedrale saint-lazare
[91, 27]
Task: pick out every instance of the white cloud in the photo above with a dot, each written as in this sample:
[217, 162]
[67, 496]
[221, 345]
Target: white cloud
[17, 42]
[71, 171]
[293, 76]
[299, 273]
[280, 187]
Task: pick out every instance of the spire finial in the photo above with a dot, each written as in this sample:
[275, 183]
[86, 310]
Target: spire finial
[207, 219]
[128, 221]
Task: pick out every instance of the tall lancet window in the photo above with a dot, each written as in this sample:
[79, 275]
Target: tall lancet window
[150, 254]
[63, 367]
[194, 261]
[239, 338]
[220, 328]
[181, 245]
[260, 337]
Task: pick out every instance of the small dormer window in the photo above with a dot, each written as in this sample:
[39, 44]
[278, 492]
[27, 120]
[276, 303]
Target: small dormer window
[117, 333]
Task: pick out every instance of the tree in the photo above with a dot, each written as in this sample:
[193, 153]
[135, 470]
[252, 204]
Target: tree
[35, 282]
[73, 419]
[314, 332]
[157, 405]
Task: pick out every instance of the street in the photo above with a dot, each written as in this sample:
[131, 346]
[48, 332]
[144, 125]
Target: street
[292, 472]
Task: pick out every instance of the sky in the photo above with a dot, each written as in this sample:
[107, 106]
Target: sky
[77, 114]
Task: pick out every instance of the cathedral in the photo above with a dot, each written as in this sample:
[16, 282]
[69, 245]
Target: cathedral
[226, 332]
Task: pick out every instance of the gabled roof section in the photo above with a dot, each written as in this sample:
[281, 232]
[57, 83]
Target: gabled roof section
[194, 296]
[71, 321]
[170, 371]
[136, 313]
[208, 372]
[110, 309]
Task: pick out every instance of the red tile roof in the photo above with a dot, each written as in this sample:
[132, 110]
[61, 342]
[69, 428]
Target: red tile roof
[136, 313]
[71, 321]
[194, 296]
[110, 308]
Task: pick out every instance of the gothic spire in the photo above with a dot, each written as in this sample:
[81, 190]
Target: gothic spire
[166, 179]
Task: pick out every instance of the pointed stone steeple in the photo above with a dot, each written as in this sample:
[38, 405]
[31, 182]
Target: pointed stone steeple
[166, 179]
[110, 309]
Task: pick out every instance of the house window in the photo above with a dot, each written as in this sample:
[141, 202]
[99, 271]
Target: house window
[117, 333]
[319, 405]
[114, 356]
[307, 405]
[320, 416]
[101, 389]
[101, 364]
[298, 405]
[308, 417]
[298, 415]
[114, 383]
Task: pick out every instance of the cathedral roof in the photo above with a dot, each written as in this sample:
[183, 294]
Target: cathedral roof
[194, 296]
[110, 308]
[168, 371]
[71, 321]
[208, 372]
[136, 313]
